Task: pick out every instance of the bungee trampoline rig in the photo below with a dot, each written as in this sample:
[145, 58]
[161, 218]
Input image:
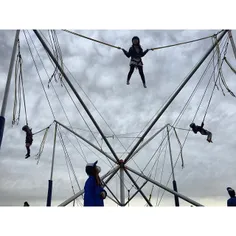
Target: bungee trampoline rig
[118, 164]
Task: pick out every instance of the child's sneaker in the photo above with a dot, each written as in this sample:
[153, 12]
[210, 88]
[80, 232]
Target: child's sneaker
[209, 140]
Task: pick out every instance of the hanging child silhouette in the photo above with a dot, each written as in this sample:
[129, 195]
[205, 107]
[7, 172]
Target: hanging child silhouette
[136, 53]
[202, 131]
[28, 139]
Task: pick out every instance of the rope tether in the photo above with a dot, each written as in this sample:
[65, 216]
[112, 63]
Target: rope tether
[167, 46]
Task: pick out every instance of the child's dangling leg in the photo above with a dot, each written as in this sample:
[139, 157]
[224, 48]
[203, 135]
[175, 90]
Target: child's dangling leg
[209, 136]
[208, 133]
[140, 69]
[130, 73]
[27, 145]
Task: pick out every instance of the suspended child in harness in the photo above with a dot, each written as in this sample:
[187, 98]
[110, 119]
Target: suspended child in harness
[136, 53]
[28, 139]
[196, 128]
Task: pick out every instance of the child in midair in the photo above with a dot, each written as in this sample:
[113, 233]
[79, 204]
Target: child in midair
[28, 139]
[136, 53]
[201, 130]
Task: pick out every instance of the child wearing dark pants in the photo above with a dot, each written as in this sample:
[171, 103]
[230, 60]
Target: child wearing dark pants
[28, 139]
[136, 53]
[202, 131]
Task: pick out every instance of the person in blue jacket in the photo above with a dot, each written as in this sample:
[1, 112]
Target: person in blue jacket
[94, 194]
[232, 200]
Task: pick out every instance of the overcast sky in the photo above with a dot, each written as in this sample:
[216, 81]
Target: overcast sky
[101, 72]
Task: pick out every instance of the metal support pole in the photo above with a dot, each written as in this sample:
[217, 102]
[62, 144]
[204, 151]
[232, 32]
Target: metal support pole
[122, 184]
[176, 190]
[139, 189]
[130, 198]
[71, 199]
[54, 149]
[174, 96]
[7, 88]
[50, 181]
[172, 169]
[116, 199]
[76, 93]
[164, 187]
[49, 196]
[85, 140]
[116, 202]
[110, 173]
[150, 139]
[232, 42]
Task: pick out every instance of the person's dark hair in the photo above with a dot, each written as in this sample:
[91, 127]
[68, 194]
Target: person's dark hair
[231, 192]
[136, 37]
[26, 204]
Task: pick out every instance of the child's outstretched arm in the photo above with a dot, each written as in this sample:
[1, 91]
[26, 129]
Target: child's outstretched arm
[144, 53]
[126, 53]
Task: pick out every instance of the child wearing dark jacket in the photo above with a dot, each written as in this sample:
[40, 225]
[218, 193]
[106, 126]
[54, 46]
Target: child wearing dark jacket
[136, 53]
[201, 130]
[28, 139]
